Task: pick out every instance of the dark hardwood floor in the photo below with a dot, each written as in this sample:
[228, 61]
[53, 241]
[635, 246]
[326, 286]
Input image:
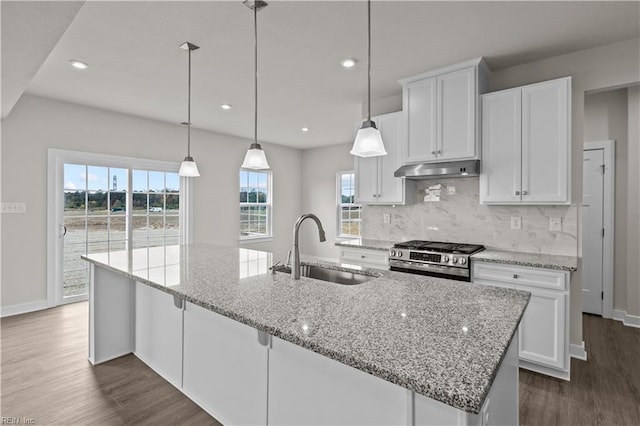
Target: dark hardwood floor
[604, 390]
[46, 377]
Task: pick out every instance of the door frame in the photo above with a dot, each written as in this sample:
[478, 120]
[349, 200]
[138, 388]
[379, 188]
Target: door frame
[56, 158]
[608, 220]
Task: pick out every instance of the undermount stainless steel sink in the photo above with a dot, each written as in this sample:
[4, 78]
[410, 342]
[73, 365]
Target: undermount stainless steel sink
[326, 274]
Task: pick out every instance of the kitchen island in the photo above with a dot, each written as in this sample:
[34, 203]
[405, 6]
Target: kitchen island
[254, 347]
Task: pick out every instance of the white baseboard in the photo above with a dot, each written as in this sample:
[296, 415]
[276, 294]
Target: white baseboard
[23, 308]
[578, 351]
[628, 320]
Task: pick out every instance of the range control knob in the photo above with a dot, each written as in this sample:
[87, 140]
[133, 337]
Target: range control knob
[392, 252]
[399, 253]
[455, 260]
[445, 258]
[463, 260]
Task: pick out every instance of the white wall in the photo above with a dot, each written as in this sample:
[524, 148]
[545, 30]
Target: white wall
[633, 215]
[319, 196]
[36, 124]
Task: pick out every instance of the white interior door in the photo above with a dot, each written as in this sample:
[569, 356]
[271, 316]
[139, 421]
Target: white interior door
[592, 230]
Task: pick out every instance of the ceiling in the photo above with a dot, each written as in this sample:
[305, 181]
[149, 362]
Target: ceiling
[136, 67]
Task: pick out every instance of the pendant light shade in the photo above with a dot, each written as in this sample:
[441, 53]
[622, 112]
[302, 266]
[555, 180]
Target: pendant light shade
[368, 141]
[188, 168]
[255, 157]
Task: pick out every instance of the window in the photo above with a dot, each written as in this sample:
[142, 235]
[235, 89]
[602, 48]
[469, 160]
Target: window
[156, 208]
[349, 213]
[255, 204]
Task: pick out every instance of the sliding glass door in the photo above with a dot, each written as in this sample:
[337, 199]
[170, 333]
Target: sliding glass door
[109, 207]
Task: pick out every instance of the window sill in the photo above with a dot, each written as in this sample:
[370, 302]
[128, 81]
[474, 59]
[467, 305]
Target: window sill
[252, 240]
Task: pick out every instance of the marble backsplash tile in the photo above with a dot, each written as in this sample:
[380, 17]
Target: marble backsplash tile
[460, 217]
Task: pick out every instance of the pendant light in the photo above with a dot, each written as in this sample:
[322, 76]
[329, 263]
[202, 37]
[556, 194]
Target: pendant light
[188, 168]
[255, 158]
[368, 141]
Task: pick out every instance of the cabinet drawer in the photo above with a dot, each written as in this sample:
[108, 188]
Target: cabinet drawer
[364, 257]
[520, 276]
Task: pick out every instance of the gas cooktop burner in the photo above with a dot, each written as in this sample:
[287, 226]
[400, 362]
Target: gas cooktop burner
[439, 247]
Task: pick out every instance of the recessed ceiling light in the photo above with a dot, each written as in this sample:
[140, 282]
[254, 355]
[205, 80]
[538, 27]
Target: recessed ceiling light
[79, 64]
[225, 106]
[305, 129]
[349, 63]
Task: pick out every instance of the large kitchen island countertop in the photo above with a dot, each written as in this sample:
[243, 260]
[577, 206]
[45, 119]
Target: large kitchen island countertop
[548, 261]
[440, 338]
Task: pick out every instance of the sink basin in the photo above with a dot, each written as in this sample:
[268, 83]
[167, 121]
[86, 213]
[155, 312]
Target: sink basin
[326, 274]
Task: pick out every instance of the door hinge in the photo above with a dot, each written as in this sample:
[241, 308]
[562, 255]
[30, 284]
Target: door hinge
[602, 232]
[602, 167]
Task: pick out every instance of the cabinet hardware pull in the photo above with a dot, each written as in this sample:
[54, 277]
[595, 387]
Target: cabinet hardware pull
[178, 302]
[362, 256]
[433, 153]
[439, 152]
[264, 338]
[515, 275]
[517, 192]
[525, 193]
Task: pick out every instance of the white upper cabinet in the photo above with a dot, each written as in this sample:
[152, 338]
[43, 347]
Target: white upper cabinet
[375, 182]
[441, 120]
[526, 143]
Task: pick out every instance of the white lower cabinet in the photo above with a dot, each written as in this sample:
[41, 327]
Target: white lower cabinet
[225, 367]
[544, 329]
[542, 334]
[377, 259]
[306, 388]
[158, 331]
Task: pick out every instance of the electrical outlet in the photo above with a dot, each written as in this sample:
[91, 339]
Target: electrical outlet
[451, 190]
[14, 207]
[386, 217]
[516, 222]
[555, 224]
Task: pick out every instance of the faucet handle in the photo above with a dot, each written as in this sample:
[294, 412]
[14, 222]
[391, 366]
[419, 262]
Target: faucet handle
[288, 258]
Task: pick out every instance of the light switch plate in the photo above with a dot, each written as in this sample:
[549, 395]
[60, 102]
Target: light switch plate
[555, 224]
[386, 217]
[516, 222]
[14, 207]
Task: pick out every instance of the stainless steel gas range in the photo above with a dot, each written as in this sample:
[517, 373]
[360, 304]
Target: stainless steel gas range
[433, 258]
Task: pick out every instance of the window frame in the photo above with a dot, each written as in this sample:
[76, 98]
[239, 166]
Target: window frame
[340, 205]
[248, 239]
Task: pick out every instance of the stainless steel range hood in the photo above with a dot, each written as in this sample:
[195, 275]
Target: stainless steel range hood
[450, 169]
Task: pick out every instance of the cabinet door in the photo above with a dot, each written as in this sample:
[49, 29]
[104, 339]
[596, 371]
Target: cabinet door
[366, 172]
[390, 188]
[456, 115]
[543, 327]
[377, 259]
[419, 109]
[159, 332]
[500, 177]
[306, 388]
[546, 142]
[225, 367]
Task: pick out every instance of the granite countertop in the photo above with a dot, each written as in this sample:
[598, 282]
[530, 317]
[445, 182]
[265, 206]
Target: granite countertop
[364, 243]
[548, 261]
[442, 339]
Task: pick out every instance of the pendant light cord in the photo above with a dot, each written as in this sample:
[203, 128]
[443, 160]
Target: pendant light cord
[189, 109]
[369, 61]
[255, 63]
